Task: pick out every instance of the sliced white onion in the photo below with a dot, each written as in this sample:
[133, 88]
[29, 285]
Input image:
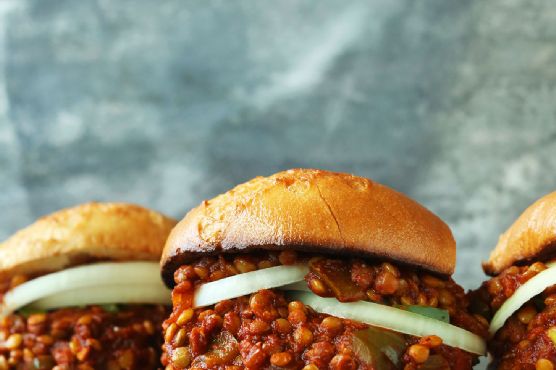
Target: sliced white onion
[153, 294]
[82, 277]
[394, 319]
[247, 283]
[532, 287]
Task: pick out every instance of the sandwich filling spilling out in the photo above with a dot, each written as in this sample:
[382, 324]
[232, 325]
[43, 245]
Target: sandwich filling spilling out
[268, 310]
[96, 316]
[520, 302]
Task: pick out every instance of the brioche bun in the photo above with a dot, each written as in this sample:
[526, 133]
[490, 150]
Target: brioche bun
[92, 231]
[317, 211]
[531, 237]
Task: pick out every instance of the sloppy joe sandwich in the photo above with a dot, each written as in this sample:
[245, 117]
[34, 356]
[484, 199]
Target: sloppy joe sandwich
[309, 269]
[520, 298]
[81, 289]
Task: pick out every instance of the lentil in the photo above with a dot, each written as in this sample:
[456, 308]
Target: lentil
[201, 272]
[282, 326]
[243, 265]
[544, 364]
[185, 316]
[180, 337]
[332, 325]
[310, 367]
[302, 337]
[170, 332]
[181, 357]
[433, 281]
[419, 353]
[258, 326]
[287, 257]
[342, 362]
[36, 319]
[281, 359]
[318, 287]
[13, 341]
[552, 334]
[386, 283]
[526, 314]
[297, 317]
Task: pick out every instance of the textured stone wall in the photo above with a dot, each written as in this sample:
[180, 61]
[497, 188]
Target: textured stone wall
[166, 103]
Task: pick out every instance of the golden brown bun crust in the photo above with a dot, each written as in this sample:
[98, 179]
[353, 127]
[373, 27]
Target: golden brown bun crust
[92, 231]
[313, 210]
[532, 236]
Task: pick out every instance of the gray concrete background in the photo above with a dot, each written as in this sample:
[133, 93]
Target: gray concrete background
[165, 103]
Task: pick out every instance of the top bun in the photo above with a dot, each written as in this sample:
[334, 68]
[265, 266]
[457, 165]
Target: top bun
[88, 232]
[313, 210]
[531, 237]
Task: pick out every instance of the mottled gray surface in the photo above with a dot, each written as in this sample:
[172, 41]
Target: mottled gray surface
[165, 103]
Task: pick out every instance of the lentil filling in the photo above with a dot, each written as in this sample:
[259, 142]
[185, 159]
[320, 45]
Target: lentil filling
[123, 337]
[527, 341]
[265, 331]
